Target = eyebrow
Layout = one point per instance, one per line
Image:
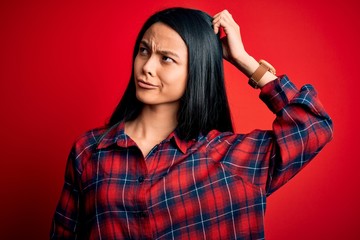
(163, 52)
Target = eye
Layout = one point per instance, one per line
(167, 59)
(143, 51)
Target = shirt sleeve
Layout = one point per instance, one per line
(267, 159)
(65, 224)
(301, 129)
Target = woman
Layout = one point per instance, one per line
(168, 165)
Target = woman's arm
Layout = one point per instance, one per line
(300, 130)
(65, 224)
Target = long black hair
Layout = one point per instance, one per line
(204, 106)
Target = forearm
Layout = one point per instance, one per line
(248, 65)
(301, 129)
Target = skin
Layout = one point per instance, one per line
(161, 67)
(160, 70)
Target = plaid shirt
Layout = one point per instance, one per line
(213, 187)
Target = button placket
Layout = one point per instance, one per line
(142, 214)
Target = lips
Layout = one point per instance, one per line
(146, 85)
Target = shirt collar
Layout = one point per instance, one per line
(116, 135)
(181, 144)
(112, 135)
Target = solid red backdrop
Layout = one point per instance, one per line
(65, 64)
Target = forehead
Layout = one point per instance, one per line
(161, 36)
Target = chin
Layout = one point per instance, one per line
(146, 99)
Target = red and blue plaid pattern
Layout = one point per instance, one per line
(213, 187)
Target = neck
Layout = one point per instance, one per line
(153, 123)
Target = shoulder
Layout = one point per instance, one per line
(87, 142)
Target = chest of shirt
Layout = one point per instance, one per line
(121, 179)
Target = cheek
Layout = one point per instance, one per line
(179, 84)
(183, 84)
(184, 80)
(136, 65)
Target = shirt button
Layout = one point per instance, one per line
(142, 214)
(141, 179)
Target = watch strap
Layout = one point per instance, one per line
(260, 72)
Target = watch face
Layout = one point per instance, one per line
(268, 65)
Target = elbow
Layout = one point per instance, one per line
(322, 133)
(325, 134)
(329, 129)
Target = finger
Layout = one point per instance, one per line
(219, 23)
(216, 15)
(223, 12)
(216, 24)
(216, 28)
(224, 20)
(216, 19)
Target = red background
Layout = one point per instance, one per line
(64, 66)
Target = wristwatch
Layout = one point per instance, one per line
(260, 72)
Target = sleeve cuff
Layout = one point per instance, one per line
(278, 93)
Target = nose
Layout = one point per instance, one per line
(149, 67)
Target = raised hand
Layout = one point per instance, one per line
(233, 48)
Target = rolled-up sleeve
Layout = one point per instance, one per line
(301, 129)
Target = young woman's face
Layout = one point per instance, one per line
(161, 66)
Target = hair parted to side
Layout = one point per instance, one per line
(204, 106)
